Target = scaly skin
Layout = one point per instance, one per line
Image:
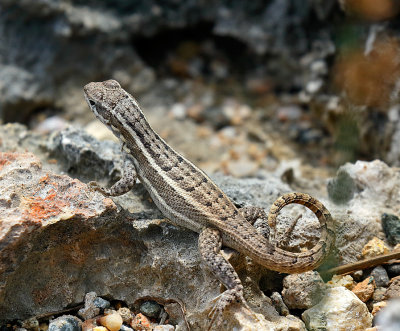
(189, 198)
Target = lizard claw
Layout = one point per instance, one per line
(96, 187)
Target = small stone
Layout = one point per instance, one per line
(112, 321)
(381, 277)
(357, 275)
(341, 188)
(31, 324)
(378, 306)
(379, 294)
(125, 328)
(393, 291)
(101, 303)
(279, 305)
(374, 247)
(100, 328)
(150, 309)
(125, 314)
(365, 289)
(165, 327)
(388, 319)
(339, 307)
(302, 291)
(65, 323)
(394, 270)
(89, 310)
(340, 280)
(391, 228)
(89, 325)
(141, 322)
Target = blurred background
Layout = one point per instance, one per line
(240, 87)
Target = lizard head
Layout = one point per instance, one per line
(103, 97)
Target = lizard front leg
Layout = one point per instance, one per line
(124, 185)
(210, 243)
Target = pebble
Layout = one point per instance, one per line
(279, 305)
(126, 314)
(379, 294)
(304, 290)
(89, 325)
(391, 228)
(365, 289)
(125, 328)
(374, 247)
(381, 277)
(141, 322)
(65, 323)
(394, 270)
(166, 327)
(378, 306)
(393, 291)
(388, 319)
(339, 307)
(31, 324)
(100, 328)
(112, 321)
(89, 310)
(150, 309)
(101, 303)
(340, 280)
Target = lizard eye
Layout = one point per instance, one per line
(92, 103)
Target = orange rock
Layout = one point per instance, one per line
(365, 289)
(141, 322)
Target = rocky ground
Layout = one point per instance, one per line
(268, 98)
(60, 241)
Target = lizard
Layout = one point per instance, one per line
(189, 198)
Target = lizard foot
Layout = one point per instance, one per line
(221, 303)
(96, 187)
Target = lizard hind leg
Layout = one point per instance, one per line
(257, 217)
(210, 243)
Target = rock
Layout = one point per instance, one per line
(112, 321)
(150, 309)
(100, 328)
(302, 291)
(379, 294)
(141, 322)
(393, 291)
(394, 270)
(126, 314)
(391, 227)
(374, 247)
(342, 280)
(380, 276)
(166, 327)
(279, 305)
(65, 323)
(31, 324)
(90, 310)
(125, 328)
(388, 319)
(341, 189)
(89, 325)
(339, 310)
(101, 303)
(365, 289)
(377, 307)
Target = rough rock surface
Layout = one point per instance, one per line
(302, 291)
(339, 310)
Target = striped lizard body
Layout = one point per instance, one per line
(189, 198)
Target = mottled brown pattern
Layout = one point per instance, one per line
(190, 199)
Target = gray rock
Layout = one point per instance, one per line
(394, 270)
(93, 306)
(380, 276)
(388, 318)
(150, 309)
(304, 290)
(125, 328)
(65, 323)
(391, 227)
